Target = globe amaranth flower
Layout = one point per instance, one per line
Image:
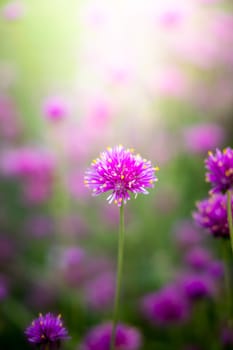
(211, 214)
(198, 258)
(99, 338)
(220, 170)
(121, 171)
(166, 307)
(197, 286)
(47, 331)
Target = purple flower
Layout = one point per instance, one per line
(198, 258)
(220, 170)
(13, 10)
(167, 306)
(186, 234)
(212, 214)
(127, 338)
(47, 330)
(120, 171)
(99, 292)
(216, 269)
(56, 108)
(197, 287)
(200, 138)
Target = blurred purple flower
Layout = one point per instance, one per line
(27, 162)
(35, 167)
(167, 306)
(216, 269)
(99, 292)
(39, 226)
(220, 170)
(72, 265)
(56, 108)
(99, 113)
(212, 214)
(120, 171)
(98, 338)
(170, 83)
(197, 286)
(13, 10)
(201, 137)
(186, 234)
(198, 258)
(47, 331)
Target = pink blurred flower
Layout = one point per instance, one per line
(170, 83)
(99, 292)
(202, 137)
(34, 167)
(37, 193)
(99, 113)
(27, 162)
(56, 108)
(198, 258)
(75, 186)
(13, 10)
(186, 234)
(71, 262)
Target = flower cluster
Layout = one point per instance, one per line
(121, 171)
(220, 170)
(47, 330)
(99, 338)
(212, 214)
(166, 306)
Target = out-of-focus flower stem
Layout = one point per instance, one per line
(229, 217)
(227, 281)
(119, 275)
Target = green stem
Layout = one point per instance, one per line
(229, 217)
(227, 282)
(119, 276)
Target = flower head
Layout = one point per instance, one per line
(99, 338)
(212, 214)
(47, 330)
(166, 307)
(55, 108)
(120, 171)
(198, 258)
(197, 286)
(220, 170)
